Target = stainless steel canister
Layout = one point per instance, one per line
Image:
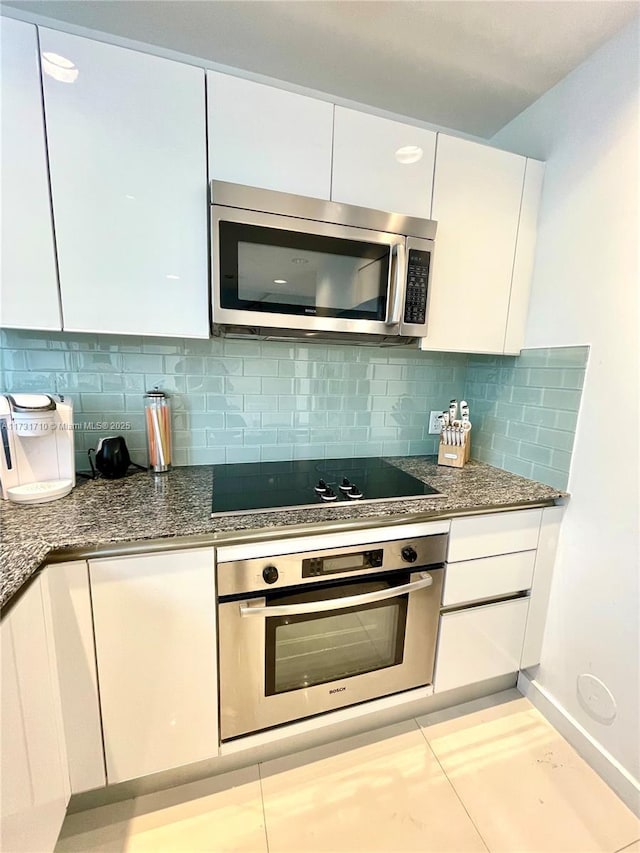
(157, 409)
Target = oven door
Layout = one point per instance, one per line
(296, 653)
(284, 272)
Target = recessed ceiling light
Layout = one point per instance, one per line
(279, 281)
(174, 277)
(59, 67)
(409, 154)
(299, 261)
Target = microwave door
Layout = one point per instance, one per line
(284, 273)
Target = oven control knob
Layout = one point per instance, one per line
(270, 574)
(409, 554)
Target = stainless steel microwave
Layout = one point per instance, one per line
(288, 266)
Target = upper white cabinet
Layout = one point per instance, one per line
(34, 791)
(29, 289)
(267, 137)
(155, 633)
(481, 276)
(126, 135)
(524, 257)
(382, 164)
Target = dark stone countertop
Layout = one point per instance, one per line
(178, 504)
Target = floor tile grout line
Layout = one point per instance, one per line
(264, 813)
(453, 788)
(627, 846)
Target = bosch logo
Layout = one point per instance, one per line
(337, 690)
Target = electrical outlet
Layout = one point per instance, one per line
(434, 423)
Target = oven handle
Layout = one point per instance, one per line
(335, 603)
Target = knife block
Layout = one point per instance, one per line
(454, 455)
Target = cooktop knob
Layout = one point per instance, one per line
(328, 494)
(409, 554)
(345, 485)
(270, 574)
(354, 492)
(321, 487)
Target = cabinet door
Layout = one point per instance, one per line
(29, 292)
(476, 201)
(155, 632)
(541, 589)
(366, 170)
(34, 786)
(72, 624)
(126, 134)
(480, 643)
(265, 137)
(523, 262)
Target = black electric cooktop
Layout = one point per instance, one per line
(267, 486)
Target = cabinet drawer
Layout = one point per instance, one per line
(480, 643)
(488, 577)
(500, 533)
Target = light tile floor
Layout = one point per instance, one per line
(491, 775)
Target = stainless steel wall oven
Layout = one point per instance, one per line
(308, 632)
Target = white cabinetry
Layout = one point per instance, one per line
(34, 791)
(492, 563)
(126, 135)
(499, 533)
(366, 171)
(267, 137)
(155, 631)
(488, 577)
(480, 643)
(29, 289)
(485, 202)
(72, 621)
(541, 586)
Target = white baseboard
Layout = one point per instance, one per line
(605, 765)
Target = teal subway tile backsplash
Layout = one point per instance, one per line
(246, 401)
(525, 410)
(240, 401)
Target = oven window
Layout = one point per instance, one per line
(317, 648)
(287, 272)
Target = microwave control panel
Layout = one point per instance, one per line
(415, 306)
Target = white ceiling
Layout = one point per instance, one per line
(471, 65)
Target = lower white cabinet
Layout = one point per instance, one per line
(498, 533)
(488, 577)
(72, 629)
(480, 643)
(491, 557)
(34, 791)
(155, 632)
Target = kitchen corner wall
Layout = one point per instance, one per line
(240, 400)
(250, 401)
(525, 410)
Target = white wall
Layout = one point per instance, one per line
(585, 290)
